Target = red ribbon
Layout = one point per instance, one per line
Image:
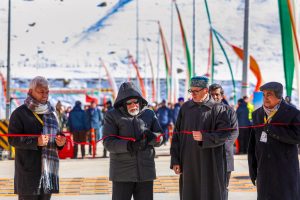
(158, 137)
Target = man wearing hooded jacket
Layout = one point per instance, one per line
(132, 166)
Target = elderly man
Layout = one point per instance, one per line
(36, 161)
(131, 131)
(217, 93)
(199, 157)
(273, 154)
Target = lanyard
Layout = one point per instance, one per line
(267, 119)
(38, 118)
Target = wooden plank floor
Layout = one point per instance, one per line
(101, 185)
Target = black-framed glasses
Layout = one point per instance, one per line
(129, 102)
(194, 91)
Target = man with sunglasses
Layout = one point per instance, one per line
(198, 145)
(132, 131)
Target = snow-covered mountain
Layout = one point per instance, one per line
(66, 38)
(60, 33)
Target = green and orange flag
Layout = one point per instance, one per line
(289, 42)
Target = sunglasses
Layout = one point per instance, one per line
(194, 91)
(129, 102)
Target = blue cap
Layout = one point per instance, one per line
(180, 99)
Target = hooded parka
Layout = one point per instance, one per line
(125, 166)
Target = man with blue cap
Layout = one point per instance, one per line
(273, 152)
(199, 157)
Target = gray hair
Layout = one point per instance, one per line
(38, 81)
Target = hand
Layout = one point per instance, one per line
(138, 145)
(60, 140)
(151, 137)
(177, 169)
(43, 140)
(197, 135)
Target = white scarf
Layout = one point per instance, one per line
(268, 111)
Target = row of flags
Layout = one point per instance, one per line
(289, 44)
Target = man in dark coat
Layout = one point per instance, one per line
(132, 167)
(176, 109)
(273, 154)
(242, 113)
(107, 107)
(217, 93)
(36, 161)
(78, 127)
(200, 157)
(164, 115)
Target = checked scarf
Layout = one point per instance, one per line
(50, 161)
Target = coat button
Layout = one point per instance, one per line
(269, 155)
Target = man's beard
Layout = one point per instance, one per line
(134, 112)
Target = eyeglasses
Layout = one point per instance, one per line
(129, 102)
(194, 91)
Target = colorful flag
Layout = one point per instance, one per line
(167, 63)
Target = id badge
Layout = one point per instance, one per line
(264, 137)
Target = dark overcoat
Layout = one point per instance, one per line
(203, 164)
(28, 156)
(125, 166)
(231, 139)
(274, 165)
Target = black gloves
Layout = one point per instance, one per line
(138, 145)
(152, 137)
(149, 138)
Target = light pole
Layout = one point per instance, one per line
(8, 63)
(194, 37)
(245, 58)
(137, 31)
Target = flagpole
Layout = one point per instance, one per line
(8, 63)
(157, 65)
(194, 37)
(245, 85)
(171, 56)
(137, 31)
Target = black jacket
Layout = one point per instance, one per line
(274, 165)
(125, 166)
(231, 139)
(28, 154)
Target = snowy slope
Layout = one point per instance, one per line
(59, 37)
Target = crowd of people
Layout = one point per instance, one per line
(204, 129)
(79, 121)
